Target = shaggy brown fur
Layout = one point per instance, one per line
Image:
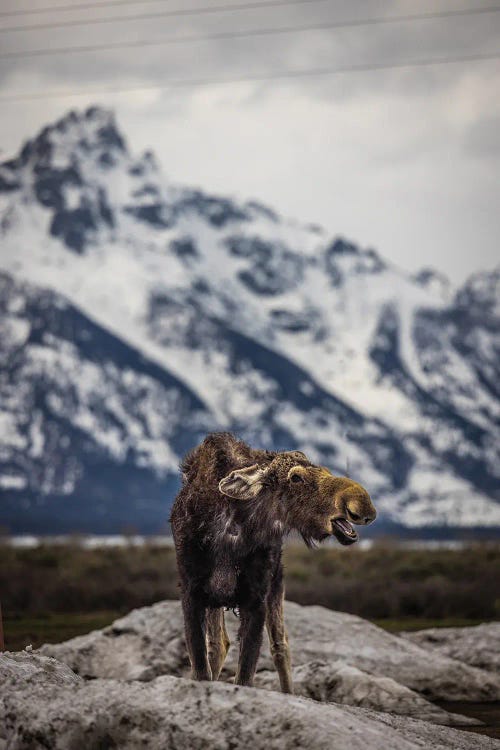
(228, 521)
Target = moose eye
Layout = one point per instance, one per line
(354, 516)
(296, 478)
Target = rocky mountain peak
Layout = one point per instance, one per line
(63, 169)
(480, 295)
(73, 138)
(433, 281)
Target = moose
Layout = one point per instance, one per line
(229, 519)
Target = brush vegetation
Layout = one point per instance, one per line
(53, 592)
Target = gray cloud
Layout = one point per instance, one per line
(256, 55)
(482, 139)
(399, 159)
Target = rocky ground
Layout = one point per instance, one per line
(357, 686)
(479, 646)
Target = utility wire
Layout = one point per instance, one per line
(272, 76)
(245, 33)
(76, 6)
(203, 10)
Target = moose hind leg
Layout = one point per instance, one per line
(217, 640)
(195, 627)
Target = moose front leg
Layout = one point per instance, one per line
(275, 624)
(195, 628)
(250, 634)
(278, 641)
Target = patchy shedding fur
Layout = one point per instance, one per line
(228, 521)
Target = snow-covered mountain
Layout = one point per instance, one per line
(138, 314)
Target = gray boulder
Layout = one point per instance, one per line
(478, 645)
(337, 682)
(171, 713)
(22, 668)
(148, 642)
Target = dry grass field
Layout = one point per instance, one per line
(53, 592)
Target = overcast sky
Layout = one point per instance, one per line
(404, 160)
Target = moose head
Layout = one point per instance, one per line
(313, 501)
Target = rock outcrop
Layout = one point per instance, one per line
(337, 682)
(21, 669)
(62, 713)
(148, 643)
(478, 645)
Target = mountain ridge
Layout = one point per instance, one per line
(280, 333)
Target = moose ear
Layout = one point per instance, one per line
(243, 484)
(297, 474)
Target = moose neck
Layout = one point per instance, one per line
(264, 519)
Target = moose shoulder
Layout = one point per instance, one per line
(228, 521)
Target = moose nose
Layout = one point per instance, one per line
(362, 519)
(371, 517)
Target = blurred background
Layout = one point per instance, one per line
(278, 218)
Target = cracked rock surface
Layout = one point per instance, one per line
(148, 642)
(337, 682)
(43, 706)
(478, 646)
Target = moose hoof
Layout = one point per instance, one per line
(201, 676)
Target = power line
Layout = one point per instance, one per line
(69, 8)
(271, 76)
(202, 10)
(221, 35)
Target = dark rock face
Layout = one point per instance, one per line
(363, 261)
(273, 267)
(297, 322)
(8, 181)
(155, 214)
(185, 249)
(385, 349)
(217, 211)
(262, 210)
(342, 247)
(50, 183)
(428, 277)
(479, 297)
(77, 226)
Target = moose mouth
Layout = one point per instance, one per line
(344, 531)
